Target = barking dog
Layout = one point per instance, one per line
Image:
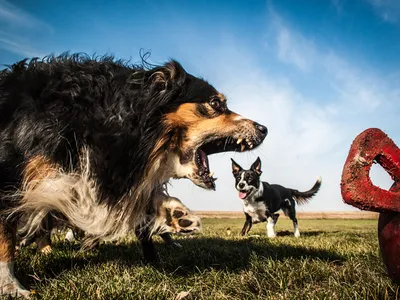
(171, 217)
(261, 200)
(95, 139)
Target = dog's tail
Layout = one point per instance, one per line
(304, 197)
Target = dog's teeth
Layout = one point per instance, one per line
(239, 141)
(251, 146)
(211, 174)
(242, 147)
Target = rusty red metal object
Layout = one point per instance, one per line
(371, 146)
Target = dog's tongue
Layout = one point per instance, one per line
(204, 159)
(242, 195)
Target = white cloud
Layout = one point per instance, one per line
(294, 49)
(388, 10)
(366, 91)
(351, 84)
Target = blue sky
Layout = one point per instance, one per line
(316, 73)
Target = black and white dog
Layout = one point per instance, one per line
(262, 200)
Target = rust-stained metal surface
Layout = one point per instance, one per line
(372, 145)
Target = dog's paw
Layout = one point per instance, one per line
(297, 234)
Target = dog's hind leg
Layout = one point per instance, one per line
(291, 213)
(275, 217)
(9, 285)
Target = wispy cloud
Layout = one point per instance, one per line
(351, 84)
(13, 15)
(388, 10)
(21, 31)
(294, 49)
(18, 45)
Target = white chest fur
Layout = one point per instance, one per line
(255, 209)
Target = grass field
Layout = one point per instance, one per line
(333, 259)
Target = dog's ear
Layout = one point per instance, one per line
(167, 76)
(256, 166)
(235, 167)
(161, 83)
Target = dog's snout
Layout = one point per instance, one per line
(262, 129)
(241, 185)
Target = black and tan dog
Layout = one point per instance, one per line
(262, 200)
(95, 140)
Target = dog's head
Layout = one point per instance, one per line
(174, 217)
(247, 182)
(201, 124)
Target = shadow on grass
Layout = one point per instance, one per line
(196, 256)
(305, 233)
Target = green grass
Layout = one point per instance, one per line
(333, 259)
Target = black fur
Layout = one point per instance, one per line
(53, 107)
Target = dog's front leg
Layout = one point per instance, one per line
(9, 285)
(247, 225)
(146, 241)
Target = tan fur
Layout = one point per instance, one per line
(38, 168)
(6, 244)
(199, 126)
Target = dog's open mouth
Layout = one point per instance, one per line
(243, 194)
(218, 146)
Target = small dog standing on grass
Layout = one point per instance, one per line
(262, 200)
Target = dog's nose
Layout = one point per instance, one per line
(262, 129)
(184, 223)
(241, 185)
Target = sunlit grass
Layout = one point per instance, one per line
(333, 259)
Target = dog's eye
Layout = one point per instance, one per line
(216, 104)
(177, 214)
